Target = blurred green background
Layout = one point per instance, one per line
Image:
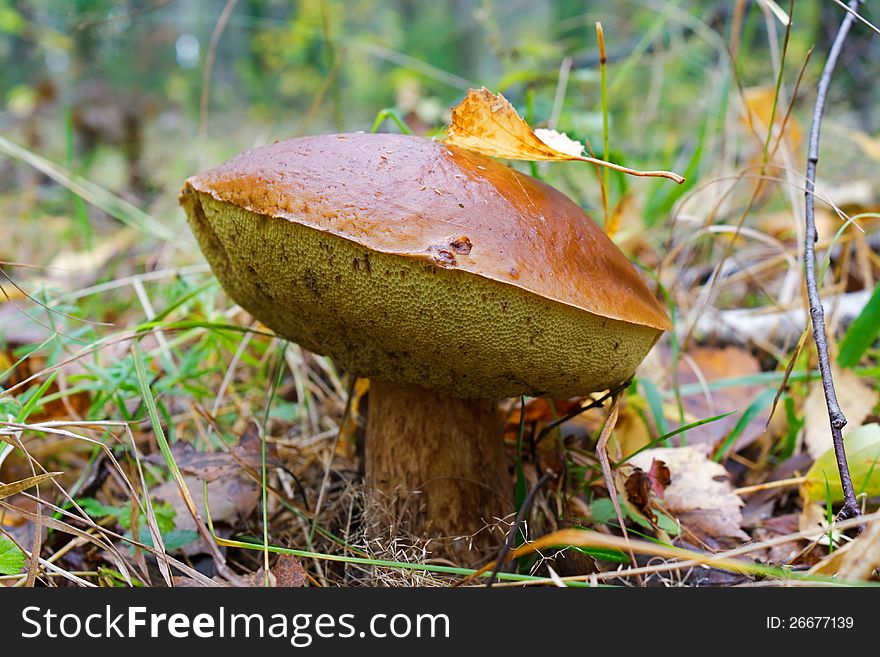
(113, 89)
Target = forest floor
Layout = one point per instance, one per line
(154, 433)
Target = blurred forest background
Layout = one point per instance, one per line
(107, 106)
(127, 78)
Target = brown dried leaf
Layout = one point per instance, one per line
(210, 466)
(862, 559)
(487, 123)
(711, 364)
(638, 491)
(640, 484)
(289, 572)
(641, 487)
(660, 477)
(286, 573)
(231, 499)
(774, 527)
(699, 493)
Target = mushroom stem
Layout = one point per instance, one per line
(435, 464)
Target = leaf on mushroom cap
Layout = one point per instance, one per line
(487, 123)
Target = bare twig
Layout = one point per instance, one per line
(835, 415)
(602, 453)
(597, 403)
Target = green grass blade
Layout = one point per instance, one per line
(34, 399)
(862, 332)
(762, 401)
(89, 191)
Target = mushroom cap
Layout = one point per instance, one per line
(411, 261)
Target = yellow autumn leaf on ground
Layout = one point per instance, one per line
(487, 123)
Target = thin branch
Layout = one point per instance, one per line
(602, 453)
(597, 403)
(835, 415)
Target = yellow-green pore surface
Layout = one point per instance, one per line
(403, 319)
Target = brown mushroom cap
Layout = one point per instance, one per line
(411, 261)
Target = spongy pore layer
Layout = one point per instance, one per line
(407, 320)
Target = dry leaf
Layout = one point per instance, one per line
(286, 573)
(641, 486)
(487, 123)
(759, 104)
(774, 527)
(561, 142)
(856, 399)
(699, 493)
(289, 572)
(632, 431)
(711, 364)
(870, 145)
(540, 411)
(209, 466)
(231, 498)
(862, 558)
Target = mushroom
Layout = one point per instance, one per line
(448, 279)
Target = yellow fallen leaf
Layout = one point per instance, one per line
(631, 431)
(487, 123)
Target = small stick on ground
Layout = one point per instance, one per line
(602, 453)
(835, 415)
(769, 485)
